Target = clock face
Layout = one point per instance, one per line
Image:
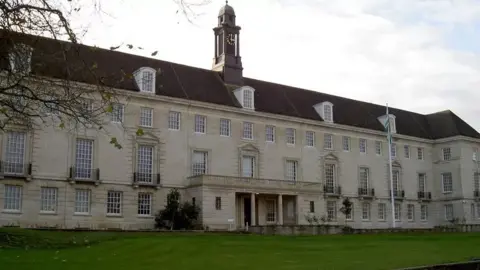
(231, 39)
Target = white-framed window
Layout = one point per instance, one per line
(14, 162)
(13, 198)
(447, 182)
(83, 158)
(86, 107)
(346, 143)
(48, 199)
(114, 203)
(291, 170)
(145, 163)
(406, 151)
(271, 207)
(478, 210)
(144, 204)
(82, 201)
(394, 150)
(362, 143)
(174, 120)
(411, 212)
(365, 211)
(331, 210)
(225, 127)
(378, 148)
(474, 154)
(309, 138)
(330, 177)
(472, 211)
(398, 213)
(290, 135)
(199, 162)
(446, 153)
(476, 181)
(147, 82)
(328, 113)
(448, 211)
(364, 177)
(269, 133)
(248, 130)
(420, 153)
(200, 124)
(146, 117)
(382, 211)
(328, 141)
(422, 182)
(350, 215)
(247, 99)
(117, 113)
(423, 212)
(396, 180)
(248, 166)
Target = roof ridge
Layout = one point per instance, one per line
(334, 96)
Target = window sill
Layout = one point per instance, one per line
(12, 212)
(46, 213)
(82, 214)
(225, 136)
(199, 133)
(114, 215)
(145, 217)
(174, 129)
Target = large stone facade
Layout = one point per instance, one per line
(248, 152)
(52, 152)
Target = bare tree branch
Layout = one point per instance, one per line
(27, 96)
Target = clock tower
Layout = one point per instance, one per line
(227, 58)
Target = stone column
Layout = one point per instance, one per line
(280, 209)
(252, 211)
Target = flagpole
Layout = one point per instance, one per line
(389, 140)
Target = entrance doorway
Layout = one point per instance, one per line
(247, 211)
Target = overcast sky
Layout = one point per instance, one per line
(418, 55)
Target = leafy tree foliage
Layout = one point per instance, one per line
(176, 215)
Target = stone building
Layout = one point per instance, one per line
(246, 151)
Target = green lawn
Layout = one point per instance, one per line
(214, 251)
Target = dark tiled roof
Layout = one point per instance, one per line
(180, 81)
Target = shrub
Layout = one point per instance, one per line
(177, 216)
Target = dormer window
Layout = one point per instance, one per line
(145, 79)
(245, 96)
(391, 120)
(325, 110)
(247, 99)
(20, 58)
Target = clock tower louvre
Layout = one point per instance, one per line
(227, 58)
